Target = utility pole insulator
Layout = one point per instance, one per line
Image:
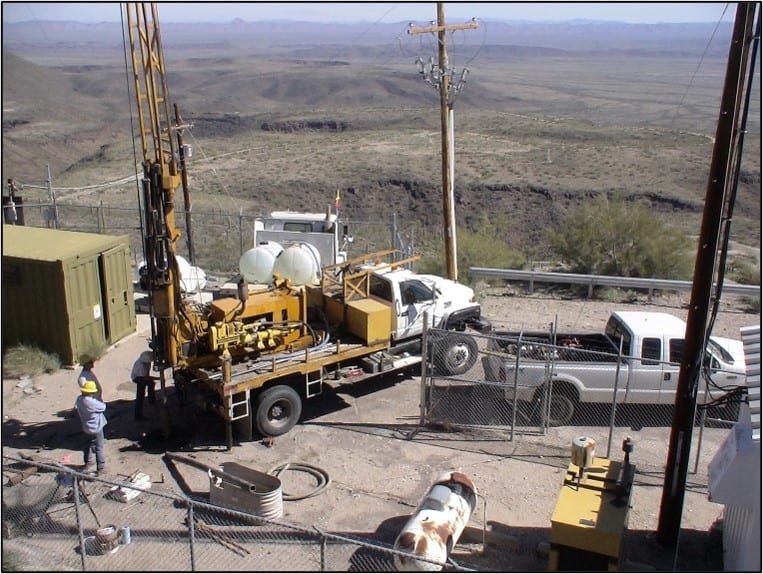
(444, 73)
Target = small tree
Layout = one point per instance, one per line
(623, 239)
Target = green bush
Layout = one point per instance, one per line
(606, 237)
(744, 270)
(28, 360)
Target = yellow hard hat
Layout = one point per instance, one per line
(89, 387)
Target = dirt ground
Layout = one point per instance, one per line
(379, 460)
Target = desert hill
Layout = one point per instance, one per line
(284, 114)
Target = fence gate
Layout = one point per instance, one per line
(511, 384)
(476, 394)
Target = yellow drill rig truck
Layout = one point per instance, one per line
(255, 356)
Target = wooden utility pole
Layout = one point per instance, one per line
(721, 178)
(446, 132)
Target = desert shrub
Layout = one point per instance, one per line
(752, 305)
(478, 248)
(744, 270)
(21, 360)
(612, 237)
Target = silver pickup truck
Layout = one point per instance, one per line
(639, 350)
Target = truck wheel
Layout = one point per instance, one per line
(455, 354)
(564, 401)
(278, 410)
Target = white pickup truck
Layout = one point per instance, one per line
(449, 305)
(583, 367)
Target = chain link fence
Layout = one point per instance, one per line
(521, 389)
(58, 519)
(219, 237)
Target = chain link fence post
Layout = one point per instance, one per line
(614, 400)
(424, 361)
(80, 531)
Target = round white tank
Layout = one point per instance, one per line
(300, 263)
(256, 265)
(192, 278)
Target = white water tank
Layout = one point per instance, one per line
(301, 263)
(256, 265)
(192, 278)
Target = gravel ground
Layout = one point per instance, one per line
(366, 437)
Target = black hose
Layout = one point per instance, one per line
(321, 476)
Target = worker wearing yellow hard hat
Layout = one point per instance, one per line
(91, 412)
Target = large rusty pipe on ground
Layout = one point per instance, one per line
(437, 523)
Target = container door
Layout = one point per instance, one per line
(116, 286)
(86, 310)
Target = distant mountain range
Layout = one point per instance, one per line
(575, 35)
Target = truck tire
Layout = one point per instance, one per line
(564, 402)
(455, 354)
(277, 410)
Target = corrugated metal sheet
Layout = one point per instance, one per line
(751, 343)
(741, 539)
(65, 292)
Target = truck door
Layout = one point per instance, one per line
(648, 379)
(416, 297)
(670, 372)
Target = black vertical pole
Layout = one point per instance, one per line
(704, 272)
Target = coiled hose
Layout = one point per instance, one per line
(321, 476)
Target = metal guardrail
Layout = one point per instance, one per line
(602, 280)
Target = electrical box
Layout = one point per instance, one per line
(591, 517)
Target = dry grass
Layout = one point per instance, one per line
(28, 360)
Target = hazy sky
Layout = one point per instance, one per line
(632, 12)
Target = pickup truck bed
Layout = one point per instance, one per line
(584, 347)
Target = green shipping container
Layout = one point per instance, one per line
(65, 292)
